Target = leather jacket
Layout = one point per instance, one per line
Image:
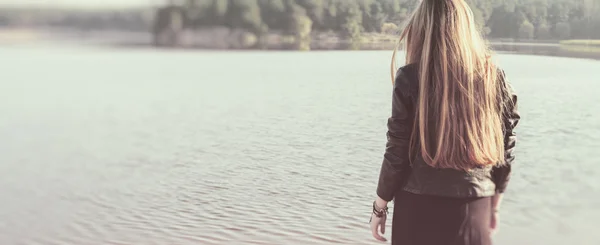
(399, 173)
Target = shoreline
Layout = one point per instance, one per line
(134, 40)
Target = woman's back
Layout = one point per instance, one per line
(421, 177)
(450, 136)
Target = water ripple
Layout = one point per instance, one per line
(163, 157)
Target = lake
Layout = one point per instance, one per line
(141, 146)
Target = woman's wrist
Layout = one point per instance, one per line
(379, 211)
(380, 203)
(496, 200)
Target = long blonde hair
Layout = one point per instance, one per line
(458, 115)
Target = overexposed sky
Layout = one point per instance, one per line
(80, 3)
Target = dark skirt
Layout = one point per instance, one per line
(432, 220)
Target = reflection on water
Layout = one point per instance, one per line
(156, 147)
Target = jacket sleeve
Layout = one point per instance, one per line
(395, 166)
(501, 174)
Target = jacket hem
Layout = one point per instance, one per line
(487, 193)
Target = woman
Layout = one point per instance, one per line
(450, 136)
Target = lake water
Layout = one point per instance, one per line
(108, 146)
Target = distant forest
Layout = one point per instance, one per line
(133, 19)
(510, 19)
(514, 19)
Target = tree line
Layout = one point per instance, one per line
(513, 19)
(138, 20)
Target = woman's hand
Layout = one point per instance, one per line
(494, 222)
(378, 221)
(495, 219)
(377, 225)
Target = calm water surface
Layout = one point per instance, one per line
(165, 147)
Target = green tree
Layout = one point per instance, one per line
(391, 7)
(373, 15)
(543, 32)
(389, 28)
(499, 22)
(350, 18)
(302, 27)
(244, 14)
(331, 15)
(558, 12)
(526, 30)
(562, 30)
(315, 10)
(273, 13)
(218, 11)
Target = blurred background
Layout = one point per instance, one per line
(264, 121)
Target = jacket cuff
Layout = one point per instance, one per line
(390, 181)
(385, 194)
(501, 189)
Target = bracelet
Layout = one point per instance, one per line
(379, 212)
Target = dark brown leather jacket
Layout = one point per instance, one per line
(399, 173)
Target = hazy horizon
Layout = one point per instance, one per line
(79, 3)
